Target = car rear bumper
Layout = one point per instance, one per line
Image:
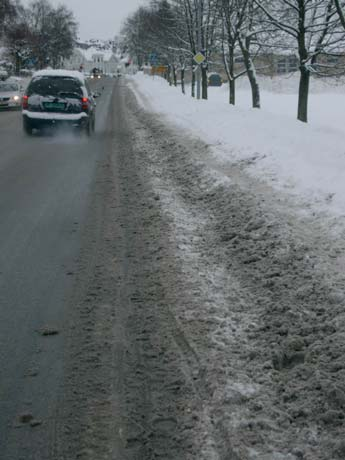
(40, 119)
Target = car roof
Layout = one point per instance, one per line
(60, 73)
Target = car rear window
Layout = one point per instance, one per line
(55, 86)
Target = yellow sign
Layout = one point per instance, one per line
(199, 58)
(159, 69)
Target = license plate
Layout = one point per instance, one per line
(54, 105)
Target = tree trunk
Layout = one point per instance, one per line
(169, 75)
(228, 62)
(232, 91)
(303, 95)
(231, 75)
(174, 75)
(340, 12)
(303, 92)
(256, 102)
(193, 82)
(251, 74)
(182, 80)
(204, 82)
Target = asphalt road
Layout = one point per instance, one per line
(90, 355)
(46, 184)
(93, 362)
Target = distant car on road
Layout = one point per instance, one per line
(58, 97)
(10, 95)
(96, 73)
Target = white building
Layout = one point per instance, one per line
(93, 57)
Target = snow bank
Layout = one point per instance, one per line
(307, 160)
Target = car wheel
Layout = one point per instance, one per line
(27, 127)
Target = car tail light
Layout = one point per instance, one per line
(25, 102)
(85, 103)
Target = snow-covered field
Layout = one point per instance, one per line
(306, 160)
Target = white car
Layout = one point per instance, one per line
(10, 95)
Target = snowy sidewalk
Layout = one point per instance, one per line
(306, 160)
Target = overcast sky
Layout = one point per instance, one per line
(99, 18)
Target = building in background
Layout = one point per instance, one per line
(95, 54)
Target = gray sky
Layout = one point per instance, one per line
(99, 18)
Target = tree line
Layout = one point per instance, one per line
(37, 36)
(313, 31)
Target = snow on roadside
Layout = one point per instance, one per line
(259, 297)
(307, 160)
(201, 306)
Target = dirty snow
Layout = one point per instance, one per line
(260, 293)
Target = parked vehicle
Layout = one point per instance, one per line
(10, 95)
(58, 97)
(214, 79)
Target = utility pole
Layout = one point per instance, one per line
(199, 30)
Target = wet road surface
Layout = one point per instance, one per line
(45, 186)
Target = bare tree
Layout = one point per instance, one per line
(240, 29)
(38, 34)
(178, 29)
(7, 13)
(17, 38)
(314, 28)
(248, 39)
(340, 10)
(154, 34)
(62, 34)
(146, 32)
(186, 10)
(53, 32)
(231, 24)
(233, 13)
(201, 19)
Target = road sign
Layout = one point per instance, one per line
(199, 58)
(153, 59)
